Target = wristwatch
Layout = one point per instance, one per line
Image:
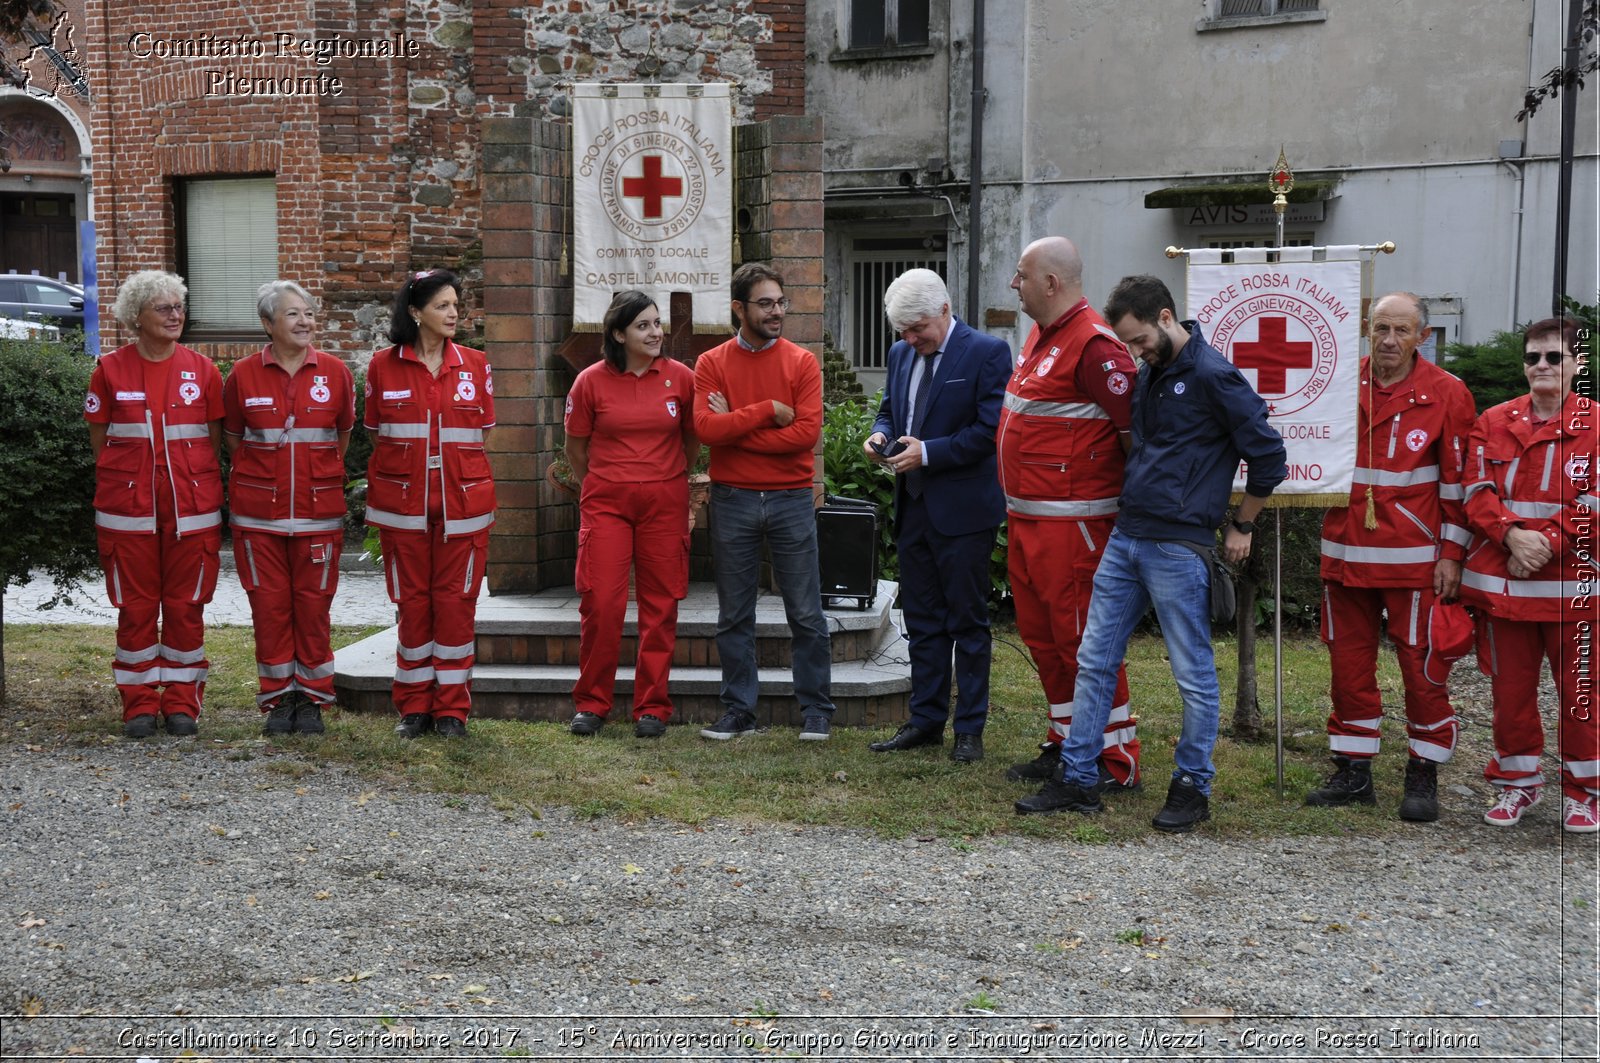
(1244, 527)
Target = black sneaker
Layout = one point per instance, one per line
(1350, 784)
(280, 720)
(1109, 781)
(308, 717)
(818, 727)
(1059, 796)
(141, 726)
(647, 726)
(450, 726)
(182, 725)
(733, 724)
(1421, 802)
(585, 723)
(1039, 768)
(414, 725)
(1186, 806)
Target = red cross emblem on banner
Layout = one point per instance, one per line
(652, 187)
(1272, 356)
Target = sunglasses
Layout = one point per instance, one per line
(1531, 358)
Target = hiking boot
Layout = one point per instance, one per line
(733, 724)
(414, 725)
(648, 726)
(1511, 804)
(818, 727)
(1109, 781)
(182, 725)
(1186, 806)
(1059, 796)
(1421, 802)
(141, 726)
(1039, 768)
(450, 726)
(1350, 784)
(280, 720)
(308, 717)
(1580, 817)
(585, 723)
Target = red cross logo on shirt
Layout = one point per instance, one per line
(1272, 356)
(652, 187)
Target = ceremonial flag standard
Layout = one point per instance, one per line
(652, 184)
(1294, 329)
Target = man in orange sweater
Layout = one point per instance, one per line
(758, 405)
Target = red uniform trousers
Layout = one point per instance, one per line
(160, 585)
(1351, 617)
(645, 525)
(290, 580)
(1051, 565)
(435, 583)
(1510, 652)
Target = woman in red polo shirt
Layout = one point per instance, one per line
(631, 442)
(430, 405)
(288, 412)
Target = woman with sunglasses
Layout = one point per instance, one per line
(430, 493)
(288, 412)
(631, 442)
(1531, 500)
(154, 409)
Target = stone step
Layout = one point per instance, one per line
(542, 628)
(873, 692)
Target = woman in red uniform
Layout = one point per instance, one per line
(1531, 499)
(631, 442)
(288, 412)
(154, 409)
(430, 405)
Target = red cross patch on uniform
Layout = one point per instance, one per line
(1117, 384)
(1416, 439)
(672, 407)
(1578, 468)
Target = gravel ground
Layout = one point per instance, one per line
(163, 900)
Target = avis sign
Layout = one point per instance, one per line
(652, 198)
(1294, 330)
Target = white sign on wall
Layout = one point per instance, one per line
(652, 176)
(1294, 330)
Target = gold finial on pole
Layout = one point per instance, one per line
(1173, 252)
(1281, 184)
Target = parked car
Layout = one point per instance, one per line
(45, 299)
(14, 329)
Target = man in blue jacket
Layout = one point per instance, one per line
(936, 429)
(1194, 419)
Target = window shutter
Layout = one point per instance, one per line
(231, 249)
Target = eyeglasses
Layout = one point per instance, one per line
(167, 310)
(1531, 358)
(766, 306)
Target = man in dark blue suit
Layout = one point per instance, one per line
(936, 429)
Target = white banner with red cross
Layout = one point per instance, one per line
(652, 194)
(1293, 328)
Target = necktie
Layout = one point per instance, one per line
(919, 410)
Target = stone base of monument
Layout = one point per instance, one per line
(528, 661)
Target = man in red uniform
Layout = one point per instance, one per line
(289, 412)
(1062, 440)
(154, 409)
(758, 405)
(1392, 552)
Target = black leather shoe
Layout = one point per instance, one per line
(968, 748)
(280, 721)
(182, 725)
(585, 723)
(910, 736)
(450, 727)
(141, 726)
(1185, 808)
(414, 725)
(1058, 796)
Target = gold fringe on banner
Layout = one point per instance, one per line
(1318, 501)
(587, 326)
(738, 252)
(566, 200)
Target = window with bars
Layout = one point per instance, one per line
(228, 248)
(888, 23)
(1263, 8)
(871, 272)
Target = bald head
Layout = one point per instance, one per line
(1049, 278)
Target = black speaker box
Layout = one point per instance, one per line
(847, 550)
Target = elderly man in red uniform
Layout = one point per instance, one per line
(1531, 499)
(154, 409)
(1393, 552)
(289, 412)
(1062, 440)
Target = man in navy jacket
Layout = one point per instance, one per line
(1194, 418)
(936, 429)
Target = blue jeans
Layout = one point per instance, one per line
(1133, 575)
(787, 520)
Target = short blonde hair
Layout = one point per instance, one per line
(141, 289)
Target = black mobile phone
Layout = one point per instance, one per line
(889, 447)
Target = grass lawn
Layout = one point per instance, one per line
(60, 692)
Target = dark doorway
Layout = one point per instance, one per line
(39, 232)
